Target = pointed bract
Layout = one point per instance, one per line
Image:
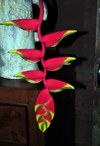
(45, 110)
(55, 64)
(52, 40)
(54, 85)
(33, 76)
(31, 55)
(26, 24)
(44, 123)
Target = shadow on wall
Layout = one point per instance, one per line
(62, 128)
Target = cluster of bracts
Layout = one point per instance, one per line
(44, 106)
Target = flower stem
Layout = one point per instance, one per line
(43, 63)
(41, 38)
(45, 71)
(41, 11)
(40, 19)
(39, 34)
(43, 49)
(44, 79)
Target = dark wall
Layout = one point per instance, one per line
(72, 124)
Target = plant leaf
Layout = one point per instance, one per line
(55, 64)
(45, 110)
(54, 85)
(52, 40)
(33, 76)
(31, 55)
(26, 24)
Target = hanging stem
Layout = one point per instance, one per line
(42, 59)
(43, 63)
(41, 38)
(44, 79)
(41, 11)
(40, 19)
(45, 71)
(43, 49)
(39, 34)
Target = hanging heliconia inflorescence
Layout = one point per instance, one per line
(44, 106)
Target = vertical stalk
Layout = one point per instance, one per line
(41, 11)
(40, 19)
(43, 49)
(39, 33)
(41, 38)
(43, 63)
(44, 79)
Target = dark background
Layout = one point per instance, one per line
(72, 124)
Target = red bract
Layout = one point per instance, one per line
(51, 40)
(33, 76)
(26, 24)
(44, 108)
(55, 64)
(31, 55)
(54, 85)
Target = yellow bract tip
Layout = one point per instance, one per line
(12, 51)
(72, 31)
(7, 23)
(44, 127)
(18, 75)
(71, 58)
(70, 86)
